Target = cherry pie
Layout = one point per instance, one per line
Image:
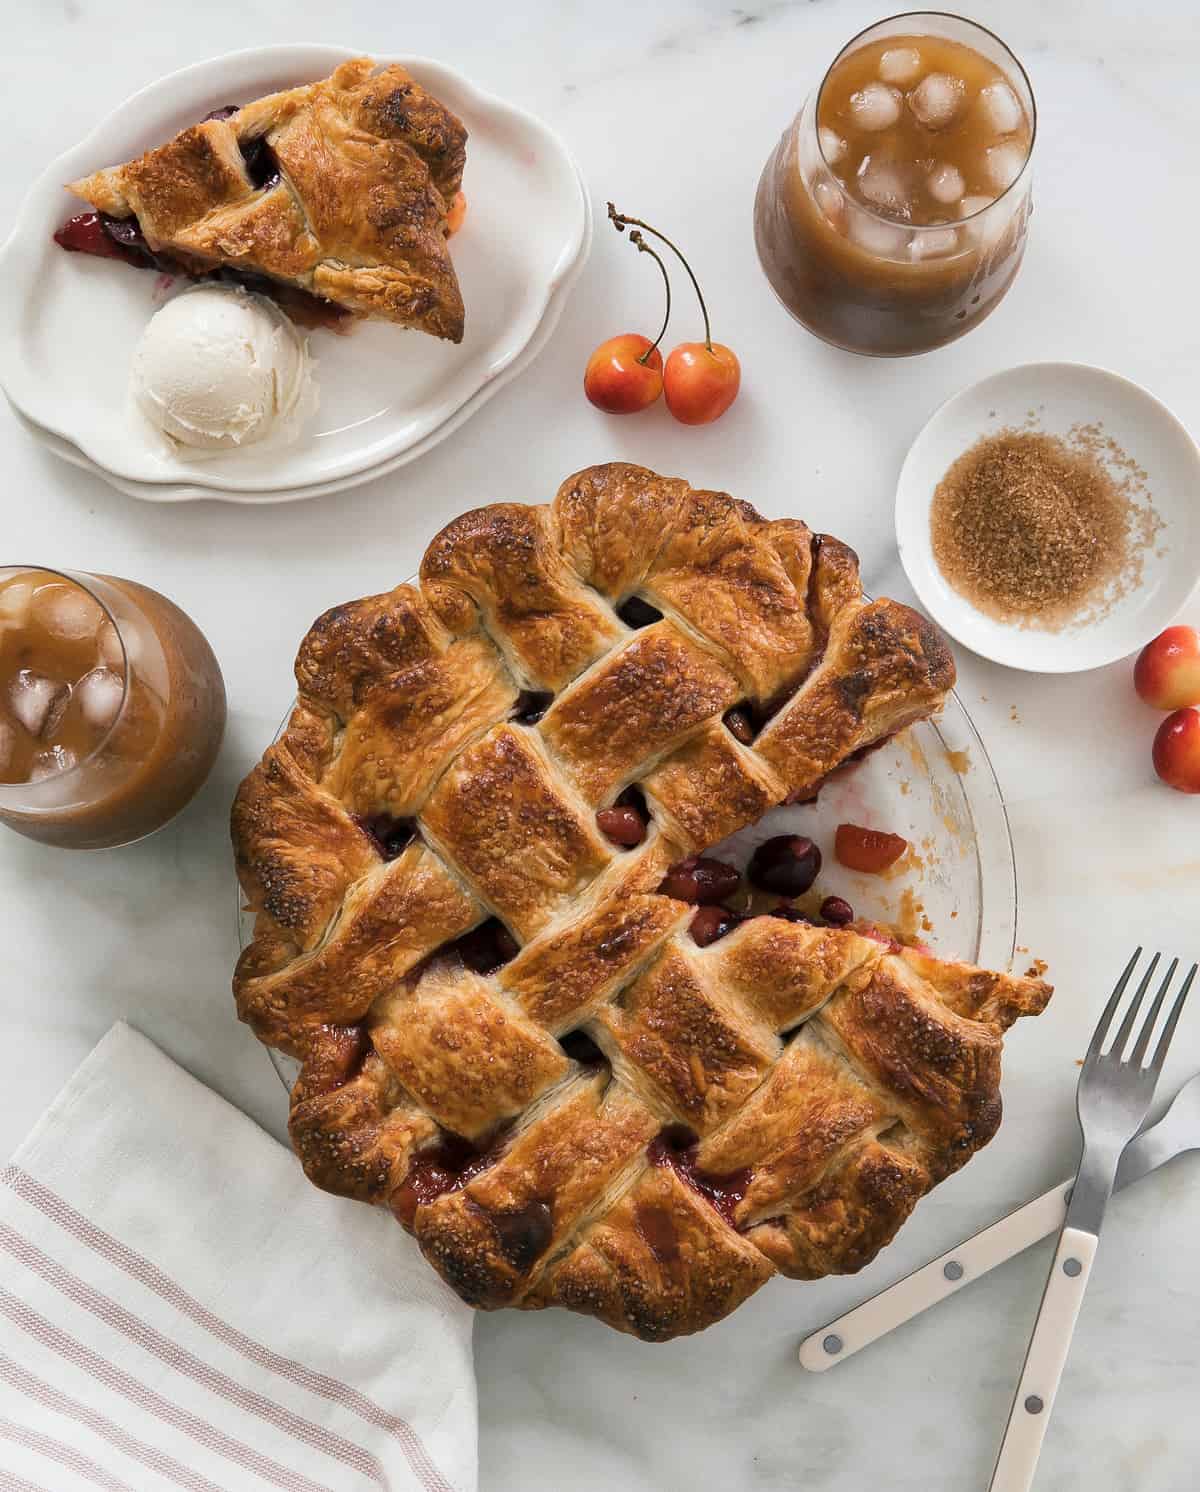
(332, 195)
(474, 856)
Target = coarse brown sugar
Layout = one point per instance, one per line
(1042, 530)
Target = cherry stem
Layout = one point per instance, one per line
(621, 222)
(644, 247)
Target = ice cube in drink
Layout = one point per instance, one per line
(111, 708)
(909, 134)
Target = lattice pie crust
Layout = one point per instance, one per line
(776, 1101)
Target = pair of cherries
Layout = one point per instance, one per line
(1167, 676)
(700, 380)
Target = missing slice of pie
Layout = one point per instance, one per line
(332, 197)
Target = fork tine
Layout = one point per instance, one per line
(1164, 1041)
(1118, 1047)
(1110, 1009)
(1144, 1035)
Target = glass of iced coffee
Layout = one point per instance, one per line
(891, 218)
(112, 707)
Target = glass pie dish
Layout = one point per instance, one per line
(934, 784)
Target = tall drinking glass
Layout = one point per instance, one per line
(112, 707)
(856, 246)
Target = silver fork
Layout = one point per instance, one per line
(1113, 1099)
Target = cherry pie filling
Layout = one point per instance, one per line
(531, 705)
(786, 865)
(106, 237)
(487, 947)
(446, 1166)
(389, 835)
(637, 613)
(739, 722)
(625, 822)
(677, 1146)
(452, 1162)
(580, 1047)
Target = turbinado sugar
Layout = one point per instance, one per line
(1035, 529)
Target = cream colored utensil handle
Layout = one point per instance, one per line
(1044, 1362)
(935, 1281)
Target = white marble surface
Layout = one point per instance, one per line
(670, 109)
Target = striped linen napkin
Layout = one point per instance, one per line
(180, 1308)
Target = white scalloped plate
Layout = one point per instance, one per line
(386, 394)
(183, 492)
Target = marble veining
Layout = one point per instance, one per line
(671, 110)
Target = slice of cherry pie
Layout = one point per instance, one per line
(332, 197)
(474, 929)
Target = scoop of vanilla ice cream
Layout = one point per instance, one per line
(218, 367)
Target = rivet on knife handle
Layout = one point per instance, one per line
(934, 1281)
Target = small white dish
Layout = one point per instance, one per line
(1061, 395)
(177, 492)
(385, 392)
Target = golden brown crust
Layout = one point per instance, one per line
(845, 1220)
(725, 578)
(677, 1042)
(500, 566)
(611, 521)
(980, 994)
(785, 971)
(709, 788)
(298, 850)
(355, 1136)
(369, 164)
(499, 817)
(392, 918)
(941, 1072)
(495, 1237)
(467, 1056)
(560, 976)
(659, 1263)
(883, 667)
(353, 649)
(810, 1112)
(646, 699)
(437, 708)
(615, 1119)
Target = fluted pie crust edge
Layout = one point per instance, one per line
(774, 1102)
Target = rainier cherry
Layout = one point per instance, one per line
(1177, 751)
(1167, 672)
(701, 379)
(625, 373)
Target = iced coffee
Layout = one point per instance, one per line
(891, 218)
(112, 708)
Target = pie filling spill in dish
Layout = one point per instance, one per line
(332, 197)
(509, 1033)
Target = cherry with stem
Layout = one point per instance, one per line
(701, 379)
(620, 221)
(625, 373)
(644, 247)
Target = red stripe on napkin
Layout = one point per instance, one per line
(52, 1398)
(148, 1274)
